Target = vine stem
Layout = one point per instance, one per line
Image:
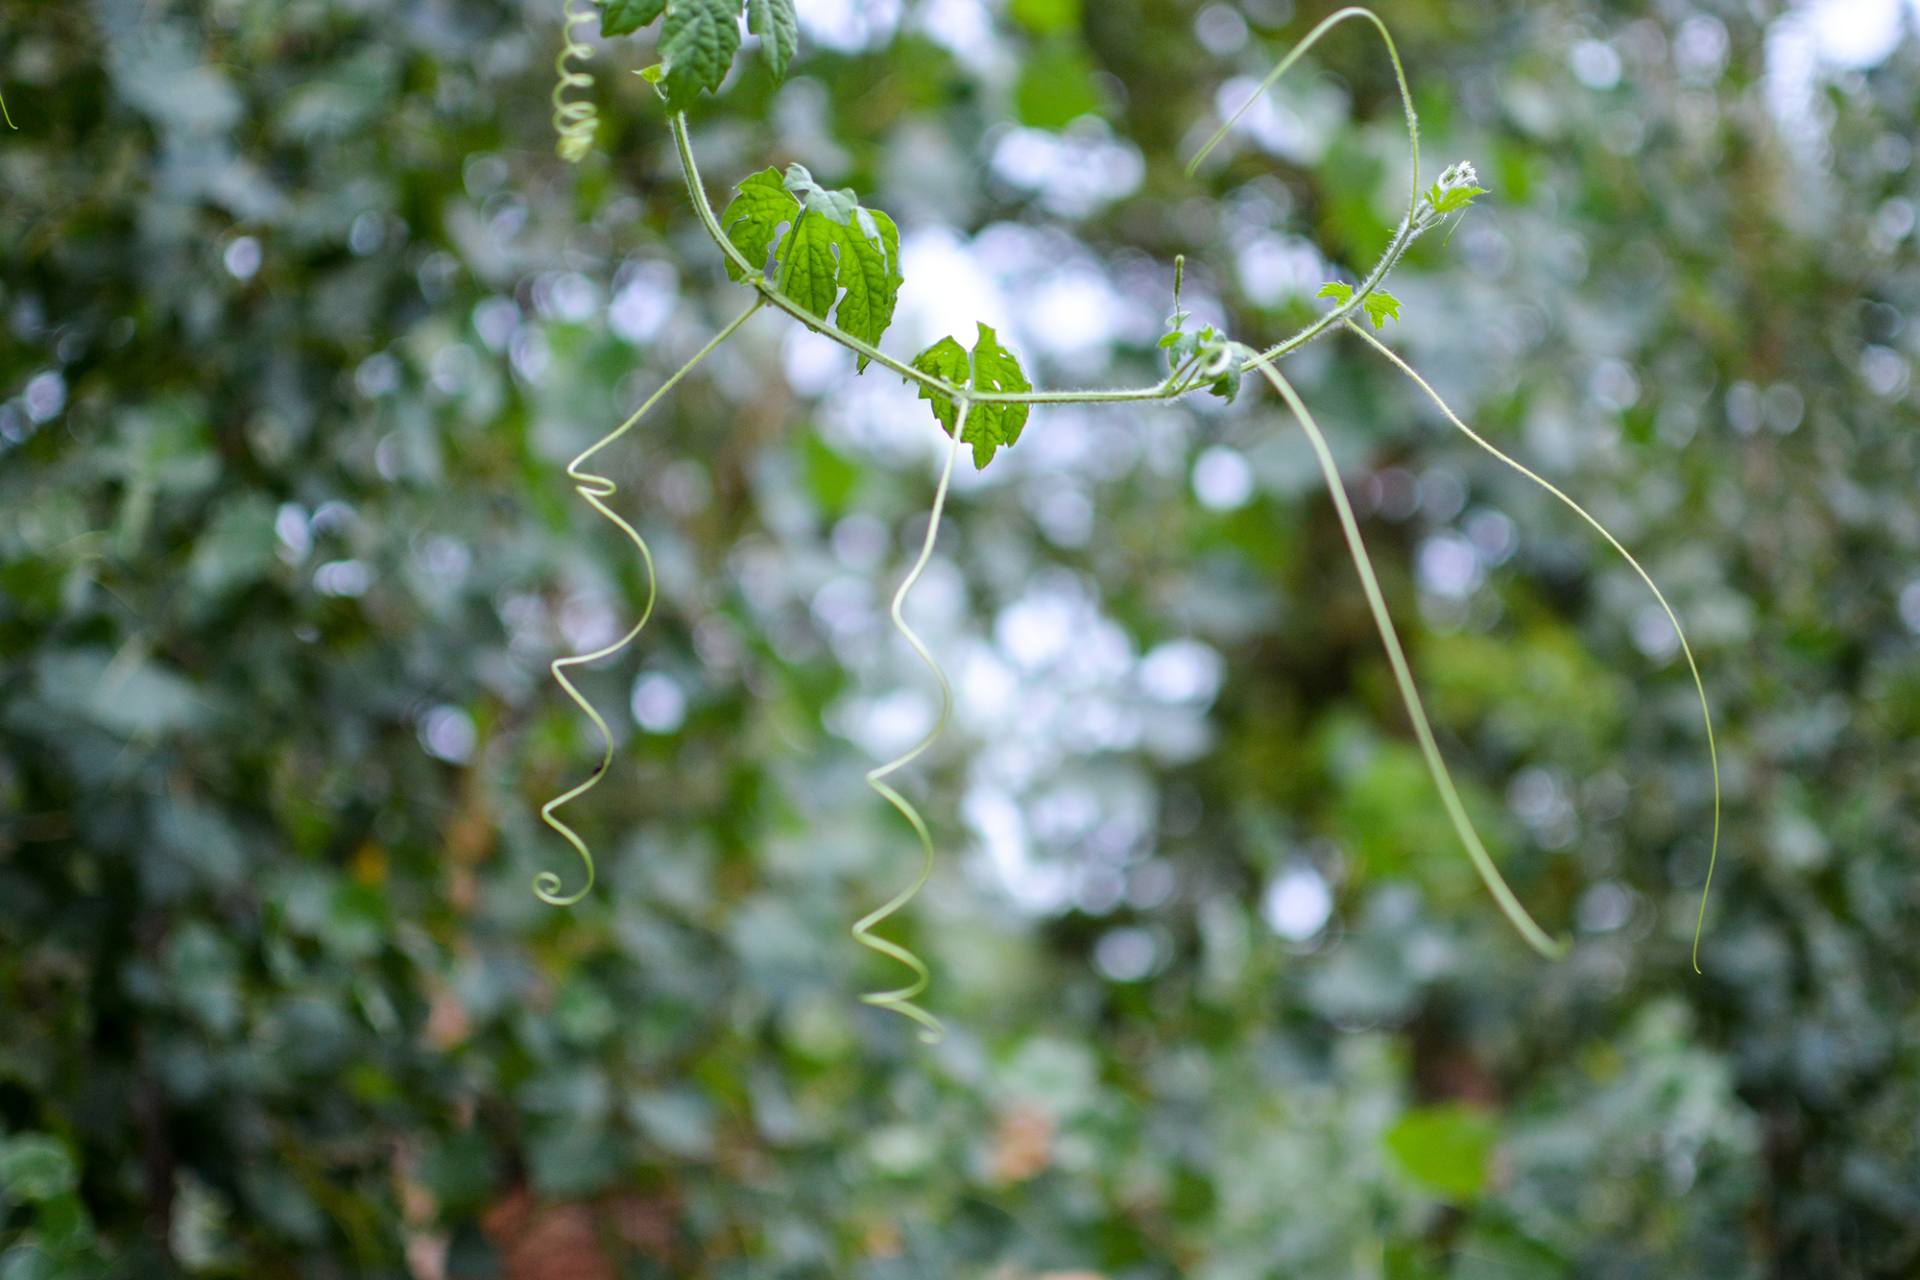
(1409, 228)
(1463, 827)
(902, 999)
(596, 489)
(1167, 389)
(1177, 383)
(1693, 668)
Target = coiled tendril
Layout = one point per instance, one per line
(596, 489)
(575, 120)
(901, 999)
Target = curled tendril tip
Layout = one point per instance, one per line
(575, 120)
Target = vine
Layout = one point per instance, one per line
(834, 265)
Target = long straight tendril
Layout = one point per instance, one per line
(902, 999)
(596, 489)
(1693, 668)
(1403, 676)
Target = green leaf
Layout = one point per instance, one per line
(1227, 385)
(944, 359)
(837, 205)
(1046, 17)
(1056, 86)
(36, 1167)
(809, 273)
(779, 31)
(1446, 1149)
(697, 44)
(870, 274)
(1453, 198)
(1380, 307)
(752, 219)
(991, 368)
(991, 425)
(838, 250)
(624, 17)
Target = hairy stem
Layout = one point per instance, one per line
(1693, 668)
(1408, 230)
(596, 489)
(1166, 389)
(1463, 827)
(901, 999)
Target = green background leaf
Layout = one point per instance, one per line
(1446, 1148)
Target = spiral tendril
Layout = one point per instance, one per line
(596, 489)
(575, 120)
(901, 1000)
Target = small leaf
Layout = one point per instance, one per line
(1340, 293)
(991, 368)
(1446, 1149)
(753, 217)
(624, 17)
(1380, 307)
(944, 359)
(779, 31)
(990, 426)
(1227, 385)
(1445, 202)
(697, 44)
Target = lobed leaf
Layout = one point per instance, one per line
(779, 31)
(1453, 198)
(991, 425)
(870, 274)
(944, 359)
(697, 44)
(990, 368)
(624, 17)
(753, 218)
(1381, 307)
(834, 251)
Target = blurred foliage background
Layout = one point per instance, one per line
(302, 318)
